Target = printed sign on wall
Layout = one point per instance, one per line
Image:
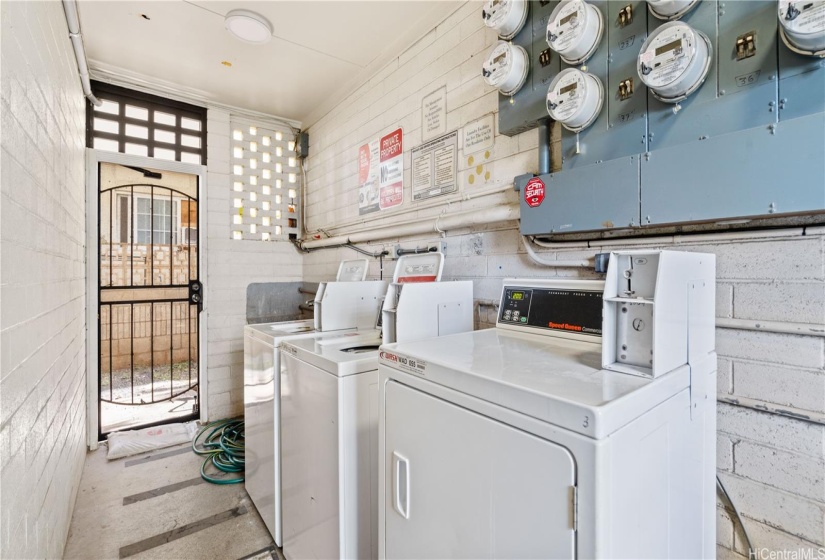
(434, 167)
(368, 188)
(479, 134)
(391, 172)
(434, 114)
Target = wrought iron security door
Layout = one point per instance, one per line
(150, 297)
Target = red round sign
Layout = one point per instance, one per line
(534, 192)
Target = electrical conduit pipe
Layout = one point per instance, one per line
(73, 22)
(439, 224)
(419, 206)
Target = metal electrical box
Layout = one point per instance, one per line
(747, 144)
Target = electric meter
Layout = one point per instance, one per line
(670, 9)
(575, 99)
(505, 16)
(506, 67)
(674, 61)
(574, 30)
(802, 26)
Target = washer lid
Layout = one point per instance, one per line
(555, 380)
(272, 332)
(339, 354)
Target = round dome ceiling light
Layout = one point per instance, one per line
(248, 26)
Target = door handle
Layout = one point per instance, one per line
(196, 294)
(401, 471)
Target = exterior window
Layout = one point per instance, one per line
(163, 220)
(140, 124)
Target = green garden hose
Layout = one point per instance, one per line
(224, 448)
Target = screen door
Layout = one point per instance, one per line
(150, 297)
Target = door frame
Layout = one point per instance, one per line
(93, 159)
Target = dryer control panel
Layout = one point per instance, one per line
(571, 310)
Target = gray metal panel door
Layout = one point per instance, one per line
(753, 172)
(581, 199)
(461, 485)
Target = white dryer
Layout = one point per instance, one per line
(582, 426)
(262, 387)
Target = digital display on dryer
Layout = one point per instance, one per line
(574, 311)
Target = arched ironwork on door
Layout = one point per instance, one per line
(150, 298)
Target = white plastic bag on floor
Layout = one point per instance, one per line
(132, 442)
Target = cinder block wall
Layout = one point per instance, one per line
(231, 265)
(774, 466)
(42, 325)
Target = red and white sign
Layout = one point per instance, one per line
(392, 170)
(368, 188)
(534, 192)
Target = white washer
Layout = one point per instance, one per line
(524, 441)
(261, 416)
(262, 478)
(329, 442)
(329, 415)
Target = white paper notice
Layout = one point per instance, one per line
(479, 135)
(434, 114)
(434, 167)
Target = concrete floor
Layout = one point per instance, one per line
(156, 505)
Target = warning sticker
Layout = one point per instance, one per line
(534, 192)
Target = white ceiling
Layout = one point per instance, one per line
(319, 50)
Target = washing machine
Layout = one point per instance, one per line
(329, 415)
(261, 384)
(582, 426)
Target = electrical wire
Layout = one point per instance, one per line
(721, 487)
(224, 448)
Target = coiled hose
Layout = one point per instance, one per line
(224, 448)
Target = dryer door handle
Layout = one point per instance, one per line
(401, 474)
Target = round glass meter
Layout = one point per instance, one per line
(670, 9)
(674, 61)
(575, 99)
(505, 16)
(574, 30)
(506, 67)
(802, 26)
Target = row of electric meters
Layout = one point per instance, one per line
(673, 63)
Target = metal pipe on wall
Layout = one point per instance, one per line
(776, 327)
(73, 23)
(505, 188)
(544, 147)
(439, 224)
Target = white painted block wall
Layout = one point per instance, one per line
(774, 466)
(231, 266)
(42, 325)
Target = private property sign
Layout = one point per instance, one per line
(392, 170)
(534, 192)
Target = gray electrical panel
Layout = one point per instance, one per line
(749, 143)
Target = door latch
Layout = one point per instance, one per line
(196, 294)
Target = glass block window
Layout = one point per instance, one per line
(131, 122)
(265, 182)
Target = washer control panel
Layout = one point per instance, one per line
(552, 309)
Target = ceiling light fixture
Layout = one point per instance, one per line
(248, 26)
